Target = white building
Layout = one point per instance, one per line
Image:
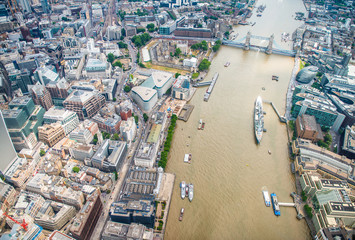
(192, 62)
(145, 97)
(128, 129)
(146, 155)
(81, 135)
(68, 119)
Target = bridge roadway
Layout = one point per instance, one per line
(278, 51)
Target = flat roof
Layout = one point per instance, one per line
(144, 93)
(154, 133)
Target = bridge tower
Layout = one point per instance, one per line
(247, 42)
(269, 46)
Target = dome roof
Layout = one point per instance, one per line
(307, 74)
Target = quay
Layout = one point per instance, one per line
(281, 118)
(210, 88)
(186, 112)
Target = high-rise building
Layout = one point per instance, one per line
(20, 79)
(6, 147)
(86, 104)
(41, 96)
(5, 84)
(44, 75)
(22, 121)
(110, 155)
(25, 5)
(68, 119)
(59, 91)
(45, 6)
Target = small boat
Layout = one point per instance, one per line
(181, 214)
(266, 198)
(259, 15)
(276, 78)
(191, 191)
(183, 189)
(187, 158)
(187, 189)
(199, 124)
(269, 152)
(203, 126)
(275, 204)
(253, 24)
(227, 64)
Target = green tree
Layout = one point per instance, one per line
(108, 191)
(151, 27)
(226, 34)
(114, 99)
(127, 88)
(110, 58)
(42, 152)
(204, 65)
(139, 30)
(116, 175)
(115, 137)
(123, 32)
(145, 117)
(141, 65)
(76, 169)
(122, 45)
(308, 211)
(195, 75)
(177, 75)
(177, 52)
(117, 64)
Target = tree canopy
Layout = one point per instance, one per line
(204, 65)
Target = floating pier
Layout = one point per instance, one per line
(281, 118)
(210, 88)
(187, 110)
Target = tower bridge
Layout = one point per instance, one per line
(272, 46)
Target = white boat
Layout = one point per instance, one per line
(191, 192)
(266, 198)
(183, 189)
(187, 158)
(258, 119)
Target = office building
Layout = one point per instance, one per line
(22, 121)
(56, 235)
(68, 119)
(85, 103)
(349, 142)
(41, 96)
(128, 129)
(110, 124)
(45, 6)
(167, 28)
(20, 79)
(312, 158)
(81, 151)
(128, 212)
(85, 221)
(146, 98)
(146, 155)
(322, 109)
(125, 109)
(193, 32)
(59, 91)
(7, 196)
(25, 6)
(115, 230)
(53, 215)
(307, 128)
(44, 75)
(110, 156)
(181, 88)
(81, 135)
(160, 81)
(5, 84)
(6, 146)
(50, 134)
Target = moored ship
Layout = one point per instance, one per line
(266, 198)
(191, 192)
(183, 189)
(181, 214)
(258, 119)
(227, 64)
(275, 204)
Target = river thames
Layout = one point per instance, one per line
(228, 168)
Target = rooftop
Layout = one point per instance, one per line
(144, 93)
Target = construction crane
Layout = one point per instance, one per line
(23, 224)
